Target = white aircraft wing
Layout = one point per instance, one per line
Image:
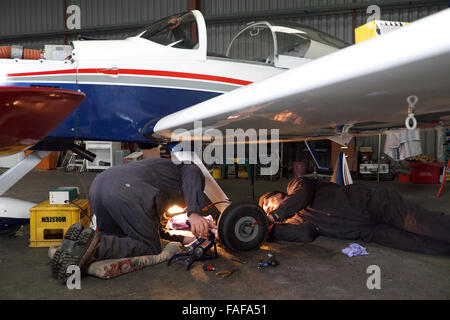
(365, 85)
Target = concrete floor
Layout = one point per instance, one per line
(316, 270)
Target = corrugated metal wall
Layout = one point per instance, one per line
(335, 17)
(26, 16)
(33, 23)
(119, 12)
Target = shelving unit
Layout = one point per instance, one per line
(104, 151)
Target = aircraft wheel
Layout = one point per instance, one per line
(243, 226)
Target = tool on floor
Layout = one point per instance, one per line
(269, 262)
(196, 251)
(226, 273)
(238, 260)
(208, 267)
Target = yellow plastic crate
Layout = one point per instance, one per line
(49, 223)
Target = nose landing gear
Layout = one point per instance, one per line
(243, 226)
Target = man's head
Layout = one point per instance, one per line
(271, 200)
(174, 22)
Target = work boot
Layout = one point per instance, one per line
(81, 254)
(74, 231)
(51, 252)
(71, 236)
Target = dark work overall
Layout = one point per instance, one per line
(128, 201)
(360, 212)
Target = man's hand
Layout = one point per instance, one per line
(188, 239)
(199, 225)
(270, 218)
(173, 23)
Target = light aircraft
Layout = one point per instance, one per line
(302, 82)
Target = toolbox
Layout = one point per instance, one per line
(49, 222)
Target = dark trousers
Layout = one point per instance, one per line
(404, 225)
(390, 236)
(396, 223)
(127, 217)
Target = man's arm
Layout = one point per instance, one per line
(304, 232)
(193, 184)
(300, 194)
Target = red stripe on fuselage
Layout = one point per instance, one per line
(158, 73)
(41, 73)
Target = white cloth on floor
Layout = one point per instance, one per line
(354, 250)
(402, 144)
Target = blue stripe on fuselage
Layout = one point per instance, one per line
(118, 112)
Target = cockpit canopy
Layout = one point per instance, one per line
(178, 31)
(281, 43)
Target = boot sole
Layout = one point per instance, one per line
(66, 248)
(74, 231)
(78, 255)
(72, 234)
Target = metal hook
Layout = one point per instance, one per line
(408, 122)
(412, 101)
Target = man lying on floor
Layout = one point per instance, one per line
(312, 208)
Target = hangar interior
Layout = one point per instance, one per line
(44, 29)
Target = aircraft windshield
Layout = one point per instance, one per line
(265, 41)
(178, 31)
(254, 43)
(295, 40)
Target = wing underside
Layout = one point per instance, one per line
(364, 87)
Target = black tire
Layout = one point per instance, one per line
(243, 226)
